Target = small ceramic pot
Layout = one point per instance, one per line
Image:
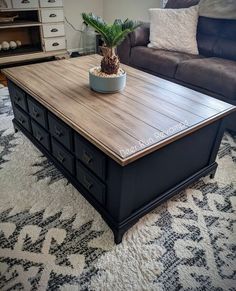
(103, 84)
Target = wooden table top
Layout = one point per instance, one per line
(149, 114)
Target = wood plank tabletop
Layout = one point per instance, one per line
(149, 114)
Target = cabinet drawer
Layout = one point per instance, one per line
(90, 156)
(25, 4)
(52, 15)
(60, 131)
(41, 135)
(5, 4)
(52, 44)
(37, 112)
(51, 3)
(52, 30)
(18, 96)
(22, 118)
(63, 156)
(91, 183)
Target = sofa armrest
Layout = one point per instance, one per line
(140, 37)
(124, 50)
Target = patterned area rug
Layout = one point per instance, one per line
(52, 239)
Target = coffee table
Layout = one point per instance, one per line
(125, 152)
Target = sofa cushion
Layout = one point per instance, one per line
(173, 4)
(158, 61)
(141, 35)
(213, 74)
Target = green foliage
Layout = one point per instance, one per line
(112, 34)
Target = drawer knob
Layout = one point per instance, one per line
(58, 132)
(35, 113)
(54, 30)
(55, 44)
(21, 120)
(87, 184)
(17, 99)
(39, 136)
(53, 15)
(25, 1)
(60, 157)
(87, 158)
(51, 1)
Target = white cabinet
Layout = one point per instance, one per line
(51, 3)
(25, 4)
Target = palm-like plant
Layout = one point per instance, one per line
(112, 35)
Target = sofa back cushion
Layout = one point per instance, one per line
(215, 37)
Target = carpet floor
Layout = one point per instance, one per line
(52, 239)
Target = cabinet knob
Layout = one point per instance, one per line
(39, 136)
(54, 30)
(25, 1)
(35, 113)
(60, 157)
(87, 158)
(87, 184)
(51, 1)
(21, 120)
(58, 132)
(53, 15)
(55, 44)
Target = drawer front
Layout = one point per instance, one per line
(63, 156)
(41, 135)
(53, 44)
(52, 15)
(18, 96)
(91, 183)
(22, 118)
(90, 156)
(5, 4)
(51, 3)
(38, 112)
(52, 30)
(60, 131)
(25, 4)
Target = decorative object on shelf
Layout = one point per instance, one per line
(5, 45)
(18, 42)
(8, 19)
(109, 77)
(13, 44)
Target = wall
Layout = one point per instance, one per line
(73, 10)
(133, 9)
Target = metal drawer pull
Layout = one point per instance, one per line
(21, 120)
(17, 99)
(35, 113)
(39, 136)
(58, 132)
(60, 157)
(54, 30)
(55, 44)
(25, 1)
(87, 184)
(87, 158)
(51, 1)
(52, 15)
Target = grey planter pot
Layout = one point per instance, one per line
(107, 85)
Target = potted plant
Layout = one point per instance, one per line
(109, 77)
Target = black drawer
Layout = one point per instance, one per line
(60, 131)
(90, 182)
(90, 156)
(63, 156)
(41, 135)
(18, 96)
(37, 112)
(22, 118)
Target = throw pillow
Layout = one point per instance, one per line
(174, 29)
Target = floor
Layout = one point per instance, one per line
(3, 80)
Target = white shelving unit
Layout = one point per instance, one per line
(40, 27)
